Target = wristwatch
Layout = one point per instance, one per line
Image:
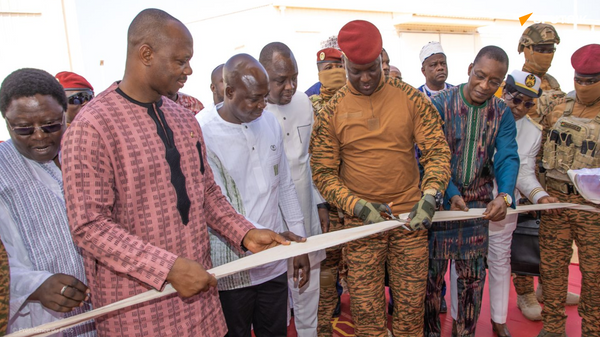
(507, 198)
(439, 198)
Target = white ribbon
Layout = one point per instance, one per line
(281, 252)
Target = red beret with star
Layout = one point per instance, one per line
(360, 41)
(329, 55)
(586, 60)
(72, 81)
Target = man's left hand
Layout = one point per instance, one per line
(422, 213)
(496, 210)
(301, 262)
(550, 200)
(291, 236)
(257, 240)
(324, 219)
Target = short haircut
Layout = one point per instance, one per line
(266, 54)
(217, 73)
(28, 82)
(148, 27)
(237, 66)
(494, 53)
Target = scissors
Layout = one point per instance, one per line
(388, 214)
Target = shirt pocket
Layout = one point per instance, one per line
(304, 133)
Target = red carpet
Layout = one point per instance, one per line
(518, 325)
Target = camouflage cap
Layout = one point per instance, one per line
(538, 33)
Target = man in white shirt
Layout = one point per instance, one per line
(245, 151)
(294, 112)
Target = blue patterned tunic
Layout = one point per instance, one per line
(482, 140)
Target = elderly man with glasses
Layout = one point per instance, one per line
(48, 280)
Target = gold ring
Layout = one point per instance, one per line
(62, 291)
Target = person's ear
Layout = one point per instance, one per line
(470, 68)
(229, 92)
(146, 53)
(212, 88)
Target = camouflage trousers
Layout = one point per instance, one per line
(470, 281)
(330, 268)
(406, 254)
(556, 240)
(523, 284)
(4, 290)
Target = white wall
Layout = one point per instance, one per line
(32, 35)
(96, 32)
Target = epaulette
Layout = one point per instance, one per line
(537, 125)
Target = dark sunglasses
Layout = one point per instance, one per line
(29, 130)
(517, 101)
(80, 98)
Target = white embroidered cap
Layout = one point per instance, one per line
(429, 49)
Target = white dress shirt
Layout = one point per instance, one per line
(24, 280)
(254, 157)
(529, 139)
(296, 120)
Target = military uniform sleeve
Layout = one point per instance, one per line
(429, 136)
(506, 159)
(325, 161)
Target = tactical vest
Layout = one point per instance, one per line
(572, 143)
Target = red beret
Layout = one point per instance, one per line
(329, 55)
(360, 41)
(70, 81)
(586, 60)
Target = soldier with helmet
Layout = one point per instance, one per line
(538, 44)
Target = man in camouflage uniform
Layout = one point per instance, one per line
(332, 77)
(538, 46)
(362, 159)
(558, 232)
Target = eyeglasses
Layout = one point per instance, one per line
(493, 83)
(543, 49)
(517, 101)
(29, 130)
(80, 98)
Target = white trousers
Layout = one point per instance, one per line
(305, 300)
(499, 271)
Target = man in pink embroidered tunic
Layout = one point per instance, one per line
(140, 194)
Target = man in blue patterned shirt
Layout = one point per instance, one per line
(480, 130)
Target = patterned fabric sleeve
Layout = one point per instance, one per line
(4, 290)
(89, 195)
(429, 136)
(325, 160)
(506, 159)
